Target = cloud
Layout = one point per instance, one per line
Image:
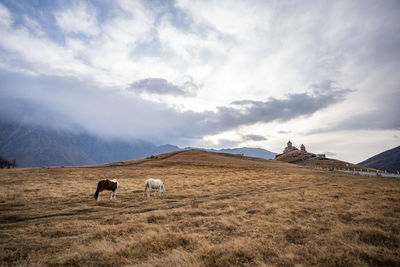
(384, 116)
(5, 16)
(25, 49)
(247, 112)
(114, 113)
(33, 26)
(161, 86)
(103, 48)
(227, 143)
(253, 137)
(81, 18)
(237, 19)
(284, 132)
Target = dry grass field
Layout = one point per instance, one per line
(218, 210)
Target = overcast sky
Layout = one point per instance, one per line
(215, 74)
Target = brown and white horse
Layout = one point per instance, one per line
(106, 184)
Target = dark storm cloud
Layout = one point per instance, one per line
(69, 103)
(247, 112)
(163, 87)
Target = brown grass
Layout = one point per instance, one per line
(219, 210)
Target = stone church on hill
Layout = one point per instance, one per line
(290, 147)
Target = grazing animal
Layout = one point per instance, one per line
(106, 184)
(155, 184)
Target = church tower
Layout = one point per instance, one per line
(303, 148)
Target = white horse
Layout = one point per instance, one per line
(155, 184)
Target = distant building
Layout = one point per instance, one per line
(289, 147)
(303, 148)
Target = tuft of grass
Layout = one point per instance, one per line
(156, 218)
(297, 235)
(241, 252)
(378, 238)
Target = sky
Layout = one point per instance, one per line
(212, 74)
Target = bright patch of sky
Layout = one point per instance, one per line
(208, 73)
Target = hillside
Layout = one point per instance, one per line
(311, 160)
(388, 160)
(218, 210)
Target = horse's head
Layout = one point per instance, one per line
(162, 189)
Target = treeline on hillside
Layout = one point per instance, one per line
(5, 163)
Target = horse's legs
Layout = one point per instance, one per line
(98, 197)
(148, 191)
(114, 194)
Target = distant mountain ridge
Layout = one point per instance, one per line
(388, 160)
(36, 146)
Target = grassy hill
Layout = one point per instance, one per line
(218, 210)
(309, 159)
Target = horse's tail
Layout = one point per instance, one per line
(96, 195)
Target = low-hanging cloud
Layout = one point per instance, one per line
(163, 87)
(223, 142)
(61, 102)
(253, 137)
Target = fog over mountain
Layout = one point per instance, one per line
(67, 103)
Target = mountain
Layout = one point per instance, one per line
(388, 160)
(37, 146)
(165, 149)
